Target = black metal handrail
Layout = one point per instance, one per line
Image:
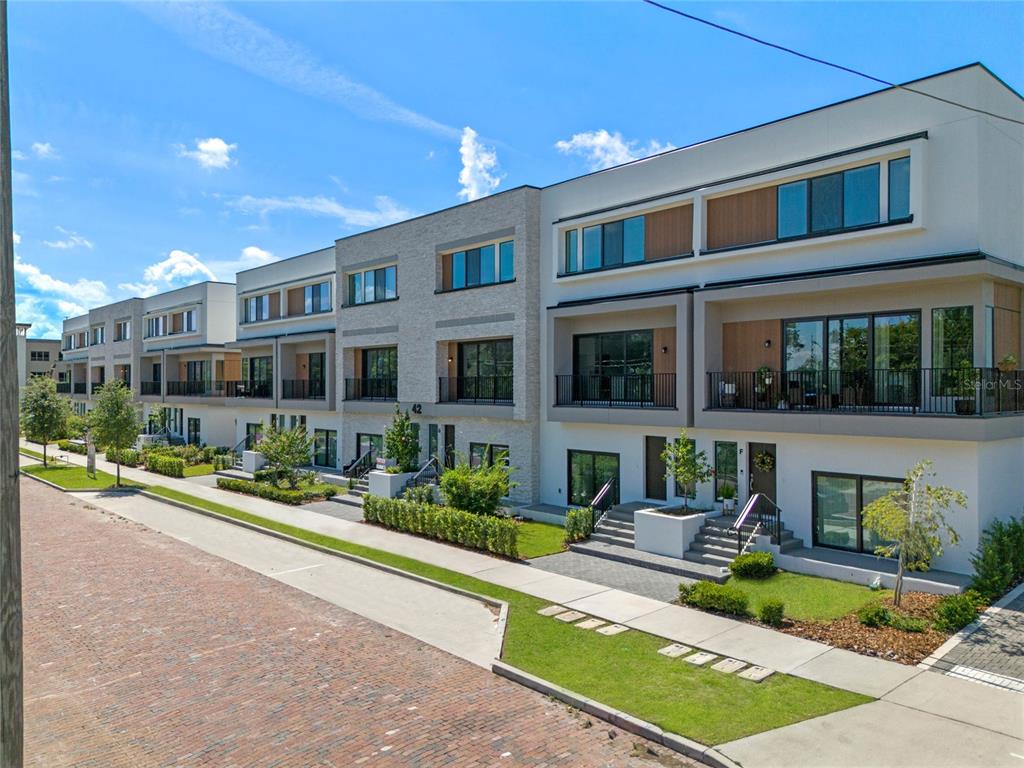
(360, 466)
(303, 389)
(80, 387)
(377, 388)
(488, 390)
(149, 388)
(602, 502)
(964, 391)
(754, 512)
(250, 389)
(640, 390)
(199, 388)
(422, 477)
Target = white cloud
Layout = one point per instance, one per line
(478, 176)
(34, 310)
(603, 150)
(69, 308)
(210, 153)
(71, 240)
(229, 36)
(44, 150)
(180, 267)
(385, 212)
(257, 255)
(142, 290)
(17, 239)
(17, 154)
(249, 257)
(91, 292)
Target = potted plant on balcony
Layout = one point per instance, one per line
(965, 388)
(1007, 364)
(727, 493)
(762, 383)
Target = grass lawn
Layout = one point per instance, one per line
(74, 478)
(34, 454)
(198, 469)
(539, 539)
(623, 671)
(807, 598)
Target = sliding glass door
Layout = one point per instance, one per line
(838, 504)
(614, 367)
(588, 472)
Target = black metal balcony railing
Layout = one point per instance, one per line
(80, 387)
(250, 389)
(934, 391)
(383, 388)
(149, 388)
(486, 390)
(96, 387)
(63, 387)
(303, 389)
(196, 388)
(640, 390)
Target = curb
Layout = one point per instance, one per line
(688, 747)
(943, 650)
(62, 489)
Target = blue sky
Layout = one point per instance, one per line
(157, 145)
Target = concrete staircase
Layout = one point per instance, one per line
(617, 526)
(716, 543)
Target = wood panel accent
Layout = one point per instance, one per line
(453, 359)
(275, 305)
(176, 322)
(1007, 296)
(446, 272)
(302, 366)
(357, 363)
(1006, 334)
(232, 368)
(741, 219)
(743, 346)
(668, 233)
(664, 362)
(296, 302)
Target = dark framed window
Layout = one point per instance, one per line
(486, 265)
(588, 472)
(485, 359)
(506, 261)
(572, 246)
(258, 370)
(608, 245)
(837, 504)
(726, 466)
(485, 454)
(193, 431)
(899, 189)
(373, 285)
(952, 337)
(828, 203)
(380, 363)
(325, 447)
(619, 353)
(316, 298)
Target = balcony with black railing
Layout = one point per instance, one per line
(80, 388)
(256, 389)
(964, 391)
(384, 389)
(96, 387)
(303, 389)
(149, 388)
(199, 388)
(640, 390)
(475, 390)
(63, 387)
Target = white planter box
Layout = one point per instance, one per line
(663, 534)
(252, 461)
(387, 485)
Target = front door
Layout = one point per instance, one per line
(449, 445)
(761, 469)
(193, 431)
(253, 433)
(654, 468)
(367, 442)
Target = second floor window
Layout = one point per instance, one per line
(317, 298)
(39, 356)
(829, 203)
(485, 359)
(258, 370)
(155, 326)
(122, 330)
(373, 285)
(188, 321)
(486, 265)
(256, 308)
(97, 335)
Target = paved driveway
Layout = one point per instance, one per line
(994, 653)
(144, 651)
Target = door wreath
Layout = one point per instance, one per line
(764, 461)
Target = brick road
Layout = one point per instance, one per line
(143, 651)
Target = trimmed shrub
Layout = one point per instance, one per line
(771, 612)
(222, 461)
(67, 445)
(954, 612)
(485, 532)
(579, 524)
(907, 623)
(684, 591)
(420, 494)
(753, 565)
(171, 466)
(874, 615)
(999, 560)
(262, 490)
(129, 458)
(476, 489)
(717, 597)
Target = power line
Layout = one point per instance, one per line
(833, 65)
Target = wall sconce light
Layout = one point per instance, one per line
(664, 350)
(450, 359)
(767, 343)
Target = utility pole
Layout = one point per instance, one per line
(11, 668)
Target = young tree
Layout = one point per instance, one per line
(44, 413)
(402, 441)
(285, 451)
(115, 421)
(912, 520)
(687, 466)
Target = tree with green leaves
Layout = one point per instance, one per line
(402, 441)
(912, 520)
(687, 466)
(44, 413)
(115, 421)
(285, 451)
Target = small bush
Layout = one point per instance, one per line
(420, 494)
(129, 458)
(222, 461)
(753, 565)
(484, 532)
(67, 445)
(717, 597)
(579, 524)
(771, 612)
(162, 464)
(874, 615)
(999, 560)
(954, 612)
(262, 490)
(476, 489)
(684, 591)
(907, 623)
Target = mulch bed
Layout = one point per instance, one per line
(884, 642)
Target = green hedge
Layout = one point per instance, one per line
(128, 457)
(579, 523)
(954, 612)
(263, 490)
(999, 560)
(484, 532)
(171, 466)
(715, 597)
(67, 445)
(753, 565)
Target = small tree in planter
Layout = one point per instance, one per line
(402, 442)
(115, 421)
(913, 520)
(687, 466)
(285, 451)
(44, 413)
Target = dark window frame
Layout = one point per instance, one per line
(474, 257)
(736, 467)
(809, 231)
(619, 240)
(824, 320)
(616, 490)
(379, 275)
(860, 478)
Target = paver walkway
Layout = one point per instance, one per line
(144, 651)
(629, 578)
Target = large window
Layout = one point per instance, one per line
(588, 472)
(325, 448)
(828, 203)
(838, 503)
(380, 363)
(39, 356)
(122, 330)
(485, 265)
(97, 335)
(256, 308)
(725, 467)
(952, 337)
(258, 375)
(485, 359)
(373, 285)
(606, 245)
(614, 366)
(899, 189)
(317, 298)
(485, 454)
(155, 326)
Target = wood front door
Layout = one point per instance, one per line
(762, 480)
(449, 445)
(654, 469)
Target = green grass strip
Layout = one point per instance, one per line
(538, 539)
(624, 671)
(33, 454)
(74, 478)
(807, 598)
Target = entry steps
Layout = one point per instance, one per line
(716, 544)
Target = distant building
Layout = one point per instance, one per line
(36, 357)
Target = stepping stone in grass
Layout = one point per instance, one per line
(756, 674)
(700, 659)
(570, 616)
(729, 666)
(612, 629)
(674, 651)
(590, 624)
(551, 610)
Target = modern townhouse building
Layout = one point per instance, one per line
(285, 336)
(187, 371)
(440, 316)
(821, 301)
(36, 357)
